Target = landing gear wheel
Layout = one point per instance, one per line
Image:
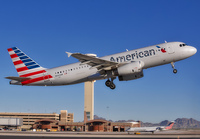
(112, 86)
(107, 83)
(175, 71)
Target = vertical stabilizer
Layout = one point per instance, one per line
(26, 67)
(170, 125)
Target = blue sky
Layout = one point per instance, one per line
(45, 29)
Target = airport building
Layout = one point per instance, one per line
(97, 125)
(29, 119)
(60, 122)
(11, 123)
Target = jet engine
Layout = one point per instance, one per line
(130, 68)
(131, 76)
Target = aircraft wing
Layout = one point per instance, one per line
(95, 62)
(20, 79)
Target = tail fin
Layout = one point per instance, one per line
(169, 125)
(24, 65)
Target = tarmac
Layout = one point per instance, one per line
(171, 134)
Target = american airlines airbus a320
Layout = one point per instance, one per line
(126, 66)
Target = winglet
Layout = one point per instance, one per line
(69, 54)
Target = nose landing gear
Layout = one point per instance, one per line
(174, 70)
(110, 84)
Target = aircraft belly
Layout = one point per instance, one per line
(159, 60)
(73, 78)
(96, 76)
(152, 62)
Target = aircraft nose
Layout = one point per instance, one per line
(188, 51)
(192, 50)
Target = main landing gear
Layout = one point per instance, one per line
(174, 70)
(110, 83)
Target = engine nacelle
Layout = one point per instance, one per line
(130, 68)
(131, 76)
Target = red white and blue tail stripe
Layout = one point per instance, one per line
(26, 67)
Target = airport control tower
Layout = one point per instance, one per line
(89, 101)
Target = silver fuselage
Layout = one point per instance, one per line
(151, 56)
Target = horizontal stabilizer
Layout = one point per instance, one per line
(20, 79)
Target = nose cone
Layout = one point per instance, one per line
(188, 51)
(192, 50)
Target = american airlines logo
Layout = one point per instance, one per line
(162, 49)
(137, 55)
(133, 56)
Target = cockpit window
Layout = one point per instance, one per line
(182, 45)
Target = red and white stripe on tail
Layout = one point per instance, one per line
(26, 67)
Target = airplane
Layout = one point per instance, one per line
(128, 65)
(150, 129)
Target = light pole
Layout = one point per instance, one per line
(107, 117)
(85, 116)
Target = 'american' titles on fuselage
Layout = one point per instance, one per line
(133, 56)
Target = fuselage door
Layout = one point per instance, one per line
(170, 49)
